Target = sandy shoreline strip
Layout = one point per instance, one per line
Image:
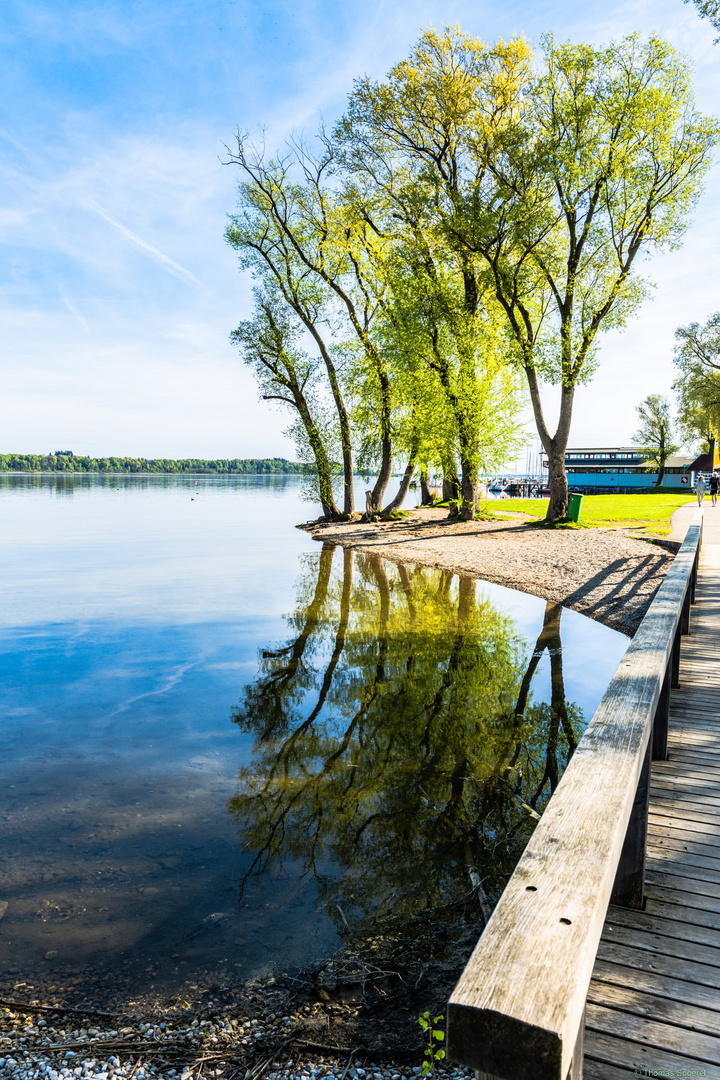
(603, 573)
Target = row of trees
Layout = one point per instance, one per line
(697, 386)
(67, 461)
(470, 226)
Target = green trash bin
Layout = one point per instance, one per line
(574, 506)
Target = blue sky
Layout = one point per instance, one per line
(118, 292)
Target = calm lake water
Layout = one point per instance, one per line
(226, 748)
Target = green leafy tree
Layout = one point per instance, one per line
(655, 435)
(554, 179)
(285, 374)
(269, 235)
(697, 356)
(295, 211)
(710, 10)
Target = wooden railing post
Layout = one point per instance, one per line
(675, 659)
(628, 890)
(661, 721)
(685, 614)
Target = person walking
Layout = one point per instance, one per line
(714, 485)
(700, 487)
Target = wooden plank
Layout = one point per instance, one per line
(656, 904)
(686, 793)
(696, 841)
(675, 808)
(653, 1034)
(667, 848)
(663, 923)
(707, 904)
(686, 970)
(653, 982)
(710, 763)
(681, 822)
(601, 1070)
(653, 941)
(517, 1009)
(661, 1009)
(683, 772)
(642, 1060)
(675, 864)
(684, 884)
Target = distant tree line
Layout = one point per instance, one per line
(65, 461)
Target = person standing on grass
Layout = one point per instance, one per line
(714, 485)
(700, 488)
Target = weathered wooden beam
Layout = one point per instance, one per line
(517, 1011)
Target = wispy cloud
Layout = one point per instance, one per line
(159, 256)
(74, 312)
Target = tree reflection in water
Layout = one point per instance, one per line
(397, 738)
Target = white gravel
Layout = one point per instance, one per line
(225, 1047)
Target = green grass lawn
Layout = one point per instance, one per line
(647, 511)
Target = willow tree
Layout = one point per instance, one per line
(459, 344)
(295, 215)
(555, 179)
(697, 356)
(284, 373)
(439, 303)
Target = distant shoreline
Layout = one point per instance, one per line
(128, 472)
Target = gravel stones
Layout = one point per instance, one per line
(229, 1044)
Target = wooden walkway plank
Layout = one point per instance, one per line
(687, 882)
(692, 869)
(659, 905)
(697, 843)
(642, 938)
(653, 1033)
(651, 1007)
(652, 982)
(654, 999)
(650, 960)
(641, 1060)
(665, 924)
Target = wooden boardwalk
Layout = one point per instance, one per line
(654, 1000)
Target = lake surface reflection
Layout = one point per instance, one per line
(227, 748)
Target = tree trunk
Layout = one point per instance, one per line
(557, 478)
(404, 485)
(345, 441)
(468, 488)
(711, 441)
(554, 446)
(322, 463)
(381, 483)
(451, 480)
(658, 482)
(426, 498)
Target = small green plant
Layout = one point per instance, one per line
(433, 1053)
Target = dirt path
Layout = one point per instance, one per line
(602, 573)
